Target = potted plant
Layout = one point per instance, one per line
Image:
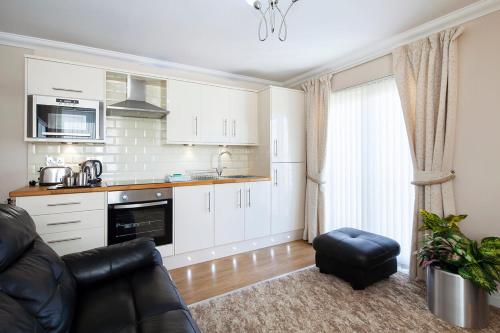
(460, 271)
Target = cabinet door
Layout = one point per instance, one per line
(244, 112)
(257, 209)
(229, 213)
(288, 126)
(215, 119)
(193, 218)
(184, 104)
(288, 197)
(65, 80)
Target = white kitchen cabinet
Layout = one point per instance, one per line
(215, 114)
(229, 213)
(59, 79)
(243, 111)
(257, 209)
(75, 240)
(184, 104)
(62, 203)
(193, 218)
(288, 197)
(288, 125)
(68, 222)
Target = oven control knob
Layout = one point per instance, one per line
(159, 195)
(124, 197)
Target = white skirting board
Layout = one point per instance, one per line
(495, 300)
(195, 257)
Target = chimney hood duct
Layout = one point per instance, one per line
(135, 105)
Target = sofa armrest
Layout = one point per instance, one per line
(107, 263)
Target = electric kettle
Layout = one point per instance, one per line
(93, 169)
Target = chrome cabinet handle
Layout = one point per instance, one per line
(62, 223)
(196, 126)
(234, 128)
(240, 199)
(64, 240)
(209, 202)
(275, 147)
(275, 177)
(225, 127)
(249, 198)
(141, 205)
(64, 204)
(68, 90)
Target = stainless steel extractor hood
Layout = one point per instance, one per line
(135, 105)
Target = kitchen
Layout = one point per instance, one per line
(208, 170)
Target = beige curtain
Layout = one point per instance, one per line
(426, 75)
(318, 93)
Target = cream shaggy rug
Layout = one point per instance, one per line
(308, 301)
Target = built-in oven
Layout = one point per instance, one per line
(63, 118)
(140, 213)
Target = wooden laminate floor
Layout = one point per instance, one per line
(208, 279)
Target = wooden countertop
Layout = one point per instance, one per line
(29, 191)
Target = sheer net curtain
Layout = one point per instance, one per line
(369, 165)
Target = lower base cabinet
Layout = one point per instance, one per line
(194, 218)
(229, 213)
(257, 209)
(288, 197)
(68, 223)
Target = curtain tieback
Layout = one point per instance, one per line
(315, 180)
(422, 178)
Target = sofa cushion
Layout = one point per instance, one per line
(138, 302)
(356, 247)
(15, 319)
(17, 232)
(107, 307)
(38, 280)
(177, 321)
(107, 263)
(161, 298)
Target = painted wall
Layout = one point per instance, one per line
(13, 150)
(477, 157)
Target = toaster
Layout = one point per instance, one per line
(53, 175)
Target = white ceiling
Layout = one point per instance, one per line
(222, 34)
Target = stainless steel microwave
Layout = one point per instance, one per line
(64, 118)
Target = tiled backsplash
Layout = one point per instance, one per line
(135, 149)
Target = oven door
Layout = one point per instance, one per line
(65, 118)
(147, 219)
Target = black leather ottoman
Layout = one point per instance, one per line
(359, 257)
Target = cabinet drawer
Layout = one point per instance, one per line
(62, 203)
(46, 224)
(59, 79)
(75, 241)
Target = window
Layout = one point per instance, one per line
(369, 164)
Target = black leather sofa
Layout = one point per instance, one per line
(120, 288)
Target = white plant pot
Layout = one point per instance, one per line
(456, 300)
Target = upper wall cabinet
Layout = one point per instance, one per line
(184, 104)
(59, 79)
(206, 114)
(243, 110)
(288, 132)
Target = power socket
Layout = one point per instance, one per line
(50, 161)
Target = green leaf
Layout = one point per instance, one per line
(478, 276)
(490, 247)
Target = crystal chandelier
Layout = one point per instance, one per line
(272, 19)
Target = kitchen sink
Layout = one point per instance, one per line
(239, 176)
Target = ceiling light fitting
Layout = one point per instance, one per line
(270, 19)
